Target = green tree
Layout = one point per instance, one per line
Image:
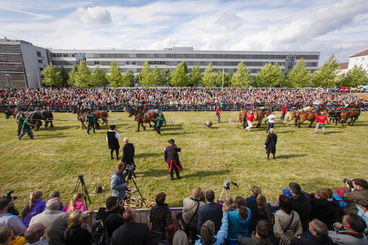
(299, 76)
(128, 78)
(52, 77)
(166, 76)
(157, 77)
(115, 78)
(228, 78)
(145, 75)
(64, 76)
(208, 77)
(195, 76)
(242, 77)
(219, 76)
(83, 76)
(270, 76)
(326, 76)
(355, 77)
(98, 77)
(179, 76)
(72, 73)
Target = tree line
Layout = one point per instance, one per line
(271, 75)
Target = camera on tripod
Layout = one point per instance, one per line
(129, 171)
(227, 184)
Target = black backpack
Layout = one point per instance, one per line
(100, 234)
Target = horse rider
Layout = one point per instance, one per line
(91, 122)
(159, 122)
(172, 158)
(321, 119)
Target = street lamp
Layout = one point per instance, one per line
(7, 79)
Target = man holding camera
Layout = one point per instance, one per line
(118, 183)
(356, 189)
(172, 158)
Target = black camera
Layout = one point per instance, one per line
(9, 195)
(349, 182)
(227, 184)
(81, 179)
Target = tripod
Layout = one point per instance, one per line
(80, 182)
(130, 177)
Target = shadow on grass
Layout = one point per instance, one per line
(207, 173)
(174, 134)
(333, 132)
(290, 156)
(144, 155)
(171, 128)
(153, 173)
(285, 132)
(56, 128)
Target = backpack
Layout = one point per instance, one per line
(99, 233)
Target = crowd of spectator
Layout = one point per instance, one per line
(197, 99)
(297, 218)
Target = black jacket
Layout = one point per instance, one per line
(76, 235)
(301, 204)
(325, 210)
(307, 238)
(113, 142)
(113, 221)
(128, 153)
(160, 218)
(210, 211)
(132, 234)
(271, 142)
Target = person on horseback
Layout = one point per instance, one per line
(159, 122)
(172, 158)
(321, 119)
(91, 122)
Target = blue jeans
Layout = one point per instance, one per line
(218, 118)
(28, 131)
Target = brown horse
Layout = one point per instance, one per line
(304, 116)
(353, 114)
(144, 117)
(82, 115)
(291, 115)
(242, 114)
(259, 114)
(104, 115)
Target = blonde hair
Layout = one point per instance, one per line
(32, 196)
(76, 197)
(260, 200)
(75, 218)
(229, 203)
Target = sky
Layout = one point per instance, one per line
(337, 27)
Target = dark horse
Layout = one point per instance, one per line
(82, 116)
(35, 117)
(352, 112)
(144, 117)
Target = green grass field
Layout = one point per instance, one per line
(55, 158)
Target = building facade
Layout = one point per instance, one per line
(171, 57)
(359, 59)
(21, 64)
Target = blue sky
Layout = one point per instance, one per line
(329, 26)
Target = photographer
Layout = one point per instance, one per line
(10, 220)
(112, 138)
(356, 189)
(118, 183)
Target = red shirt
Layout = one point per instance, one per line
(217, 111)
(321, 119)
(284, 109)
(250, 117)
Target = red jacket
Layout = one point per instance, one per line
(321, 119)
(284, 108)
(217, 111)
(250, 117)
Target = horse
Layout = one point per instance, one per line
(291, 115)
(303, 116)
(10, 112)
(35, 117)
(104, 115)
(242, 114)
(82, 115)
(144, 117)
(259, 114)
(353, 114)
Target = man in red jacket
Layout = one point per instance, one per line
(321, 119)
(283, 110)
(250, 119)
(218, 114)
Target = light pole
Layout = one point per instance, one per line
(7, 79)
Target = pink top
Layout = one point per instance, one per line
(78, 205)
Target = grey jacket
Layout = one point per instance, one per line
(189, 208)
(56, 222)
(282, 220)
(346, 239)
(118, 184)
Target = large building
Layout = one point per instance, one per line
(21, 64)
(359, 59)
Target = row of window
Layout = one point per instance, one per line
(10, 58)
(11, 67)
(184, 56)
(9, 49)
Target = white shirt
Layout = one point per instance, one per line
(117, 135)
(271, 118)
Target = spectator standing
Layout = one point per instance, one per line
(287, 222)
(283, 112)
(112, 138)
(351, 195)
(218, 114)
(300, 203)
(34, 206)
(257, 205)
(261, 237)
(191, 205)
(321, 119)
(34, 233)
(250, 119)
(271, 121)
(211, 211)
(239, 219)
(75, 234)
(10, 220)
(118, 183)
(160, 217)
(135, 233)
(317, 234)
(54, 220)
(76, 203)
(128, 152)
(270, 144)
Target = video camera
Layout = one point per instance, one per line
(81, 179)
(227, 184)
(9, 195)
(349, 182)
(129, 171)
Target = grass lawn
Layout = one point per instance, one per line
(55, 158)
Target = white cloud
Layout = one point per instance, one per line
(94, 15)
(230, 20)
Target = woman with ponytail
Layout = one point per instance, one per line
(239, 219)
(34, 206)
(257, 205)
(76, 203)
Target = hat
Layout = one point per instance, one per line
(112, 127)
(4, 201)
(295, 187)
(171, 141)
